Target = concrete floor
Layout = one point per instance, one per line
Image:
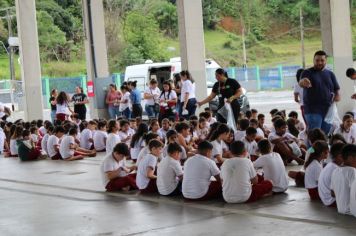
(61, 198)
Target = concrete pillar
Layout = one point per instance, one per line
(192, 47)
(95, 48)
(30, 58)
(337, 42)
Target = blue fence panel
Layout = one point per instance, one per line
(270, 78)
(64, 84)
(242, 74)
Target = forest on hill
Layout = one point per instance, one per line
(138, 30)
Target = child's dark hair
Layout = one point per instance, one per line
(181, 126)
(213, 127)
(153, 122)
(291, 127)
(25, 133)
(253, 122)
(254, 111)
(122, 148)
(222, 129)
(248, 114)
(251, 131)
(50, 129)
(237, 148)
(345, 118)
(124, 122)
(111, 125)
(349, 150)
(27, 125)
(73, 131)
(154, 143)
(149, 136)
(193, 117)
(244, 124)
(205, 114)
(273, 111)
(315, 135)
(92, 122)
(39, 123)
(264, 146)
(170, 133)
(33, 129)
(337, 137)
(279, 123)
(204, 147)
(142, 129)
(260, 116)
(17, 132)
(336, 149)
(101, 124)
(173, 148)
(318, 148)
(293, 114)
(59, 129)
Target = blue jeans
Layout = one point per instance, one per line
(317, 121)
(191, 107)
(126, 113)
(53, 115)
(150, 110)
(114, 112)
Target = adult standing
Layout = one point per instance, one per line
(228, 90)
(351, 73)
(320, 90)
(113, 100)
(53, 102)
(135, 96)
(80, 99)
(151, 96)
(188, 100)
(125, 103)
(62, 106)
(168, 101)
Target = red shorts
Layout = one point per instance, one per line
(214, 192)
(151, 187)
(314, 194)
(259, 190)
(33, 154)
(61, 116)
(119, 183)
(57, 157)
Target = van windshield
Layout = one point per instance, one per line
(210, 77)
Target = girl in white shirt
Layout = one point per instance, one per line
(188, 100)
(100, 137)
(137, 142)
(17, 135)
(62, 106)
(44, 140)
(222, 133)
(124, 133)
(113, 136)
(125, 102)
(86, 137)
(313, 168)
(168, 101)
(347, 130)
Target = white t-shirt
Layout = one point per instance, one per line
(341, 181)
(125, 97)
(300, 126)
(111, 142)
(353, 199)
(135, 151)
(239, 135)
(299, 90)
(34, 138)
(302, 136)
(109, 164)
(124, 135)
(64, 147)
(144, 151)
(84, 138)
(162, 133)
(42, 130)
(236, 174)
(53, 140)
(187, 87)
(260, 133)
(44, 142)
(155, 92)
(217, 149)
(168, 171)
(168, 96)
(183, 154)
(100, 138)
(273, 169)
(147, 161)
(197, 173)
(2, 140)
(325, 182)
(251, 147)
(350, 136)
(312, 173)
(13, 147)
(62, 108)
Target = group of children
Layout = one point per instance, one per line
(201, 158)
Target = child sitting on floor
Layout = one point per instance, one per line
(146, 178)
(241, 132)
(86, 136)
(250, 143)
(45, 138)
(239, 178)
(113, 136)
(343, 177)
(347, 130)
(26, 150)
(273, 166)
(116, 176)
(100, 137)
(198, 170)
(53, 143)
(324, 181)
(170, 172)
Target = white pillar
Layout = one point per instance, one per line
(95, 47)
(337, 42)
(30, 59)
(192, 47)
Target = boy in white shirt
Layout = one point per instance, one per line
(114, 173)
(45, 138)
(239, 179)
(324, 182)
(241, 132)
(273, 166)
(250, 143)
(343, 177)
(170, 173)
(198, 171)
(53, 143)
(86, 137)
(125, 133)
(146, 178)
(100, 137)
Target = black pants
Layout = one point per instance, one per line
(235, 106)
(136, 111)
(81, 113)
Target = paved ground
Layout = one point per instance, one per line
(60, 198)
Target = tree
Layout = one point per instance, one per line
(166, 16)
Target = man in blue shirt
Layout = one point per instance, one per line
(135, 97)
(321, 89)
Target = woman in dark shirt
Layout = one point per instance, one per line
(52, 101)
(80, 99)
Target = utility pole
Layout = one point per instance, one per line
(302, 35)
(244, 48)
(11, 59)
